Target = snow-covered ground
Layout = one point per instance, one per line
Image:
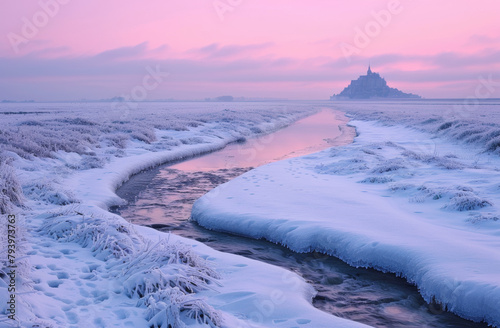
(77, 265)
(416, 194)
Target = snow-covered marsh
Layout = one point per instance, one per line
(41, 130)
(420, 204)
(84, 266)
(471, 121)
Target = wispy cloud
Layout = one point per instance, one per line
(216, 51)
(124, 52)
(484, 40)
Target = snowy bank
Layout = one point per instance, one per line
(79, 265)
(397, 200)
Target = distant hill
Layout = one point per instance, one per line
(17, 101)
(371, 86)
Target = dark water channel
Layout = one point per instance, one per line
(162, 198)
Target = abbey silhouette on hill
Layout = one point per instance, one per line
(371, 86)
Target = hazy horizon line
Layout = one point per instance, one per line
(250, 99)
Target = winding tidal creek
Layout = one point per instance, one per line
(162, 198)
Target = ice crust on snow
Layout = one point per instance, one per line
(388, 201)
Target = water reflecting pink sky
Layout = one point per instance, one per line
(314, 133)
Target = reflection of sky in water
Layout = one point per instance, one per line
(375, 298)
(306, 136)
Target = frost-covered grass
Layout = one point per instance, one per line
(41, 130)
(480, 218)
(473, 121)
(164, 277)
(11, 193)
(45, 191)
(459, 198)
(391, 165)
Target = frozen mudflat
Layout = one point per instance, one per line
(79, 265)
(397, 200)
(163, 198)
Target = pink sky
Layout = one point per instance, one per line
(260, 48)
